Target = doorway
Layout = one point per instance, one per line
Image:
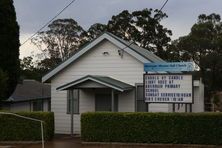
(103, 102)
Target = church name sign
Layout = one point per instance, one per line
(171, 66)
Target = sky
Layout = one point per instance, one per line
(33, 14)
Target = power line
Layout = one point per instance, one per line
(127, 46)
(46, 24)
(164, 5)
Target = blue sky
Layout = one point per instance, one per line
(182, 14)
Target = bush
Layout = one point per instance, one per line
(17, 129)
(181, 128)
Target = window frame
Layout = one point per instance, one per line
(68, 101)
(38, 102)
(136, 98)
(49, 105)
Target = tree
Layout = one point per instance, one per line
(203, 45)
(27, 63)
(123, 26)
(65, 36)
(31, 69)
(95, 30)
(62, 38)
(141, 27)
(9, 46)
(213, 71)
(28, 70)
(174, 54)
(3, 84)
(204, 38)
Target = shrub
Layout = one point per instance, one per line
(18, 129)
(182, 128)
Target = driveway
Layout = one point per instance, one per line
(66, 141)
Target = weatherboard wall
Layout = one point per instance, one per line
(198, 105)
(126, 69)
(23, 106)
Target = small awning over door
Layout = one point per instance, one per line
(94, 81)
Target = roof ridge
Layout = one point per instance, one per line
(130, 43)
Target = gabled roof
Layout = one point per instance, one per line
(144, 52)
(137, 52)
(103, 80)
(30, 90)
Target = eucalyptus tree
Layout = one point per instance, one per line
(59, 41)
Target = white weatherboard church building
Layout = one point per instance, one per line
(105, 75)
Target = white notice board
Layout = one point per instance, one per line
(168, 88)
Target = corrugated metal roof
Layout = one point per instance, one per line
(30, 90)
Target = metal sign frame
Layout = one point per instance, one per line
(169, 74)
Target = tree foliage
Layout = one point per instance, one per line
(203, 45)
(141, 27)
(9, 45)
(3, 83)
(63, 37)
(95, 30)
(204, 38)
(213, 71)
(31, 69)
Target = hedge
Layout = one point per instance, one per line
(175, 128)
(17, 129)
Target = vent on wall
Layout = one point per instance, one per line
(105, 53)
(120, 52)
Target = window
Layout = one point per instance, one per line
(103, 102)
(37, 105)
(75, 94)
(141, 106)
(49, 105)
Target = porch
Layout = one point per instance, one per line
(97, 93)
(104, 90)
